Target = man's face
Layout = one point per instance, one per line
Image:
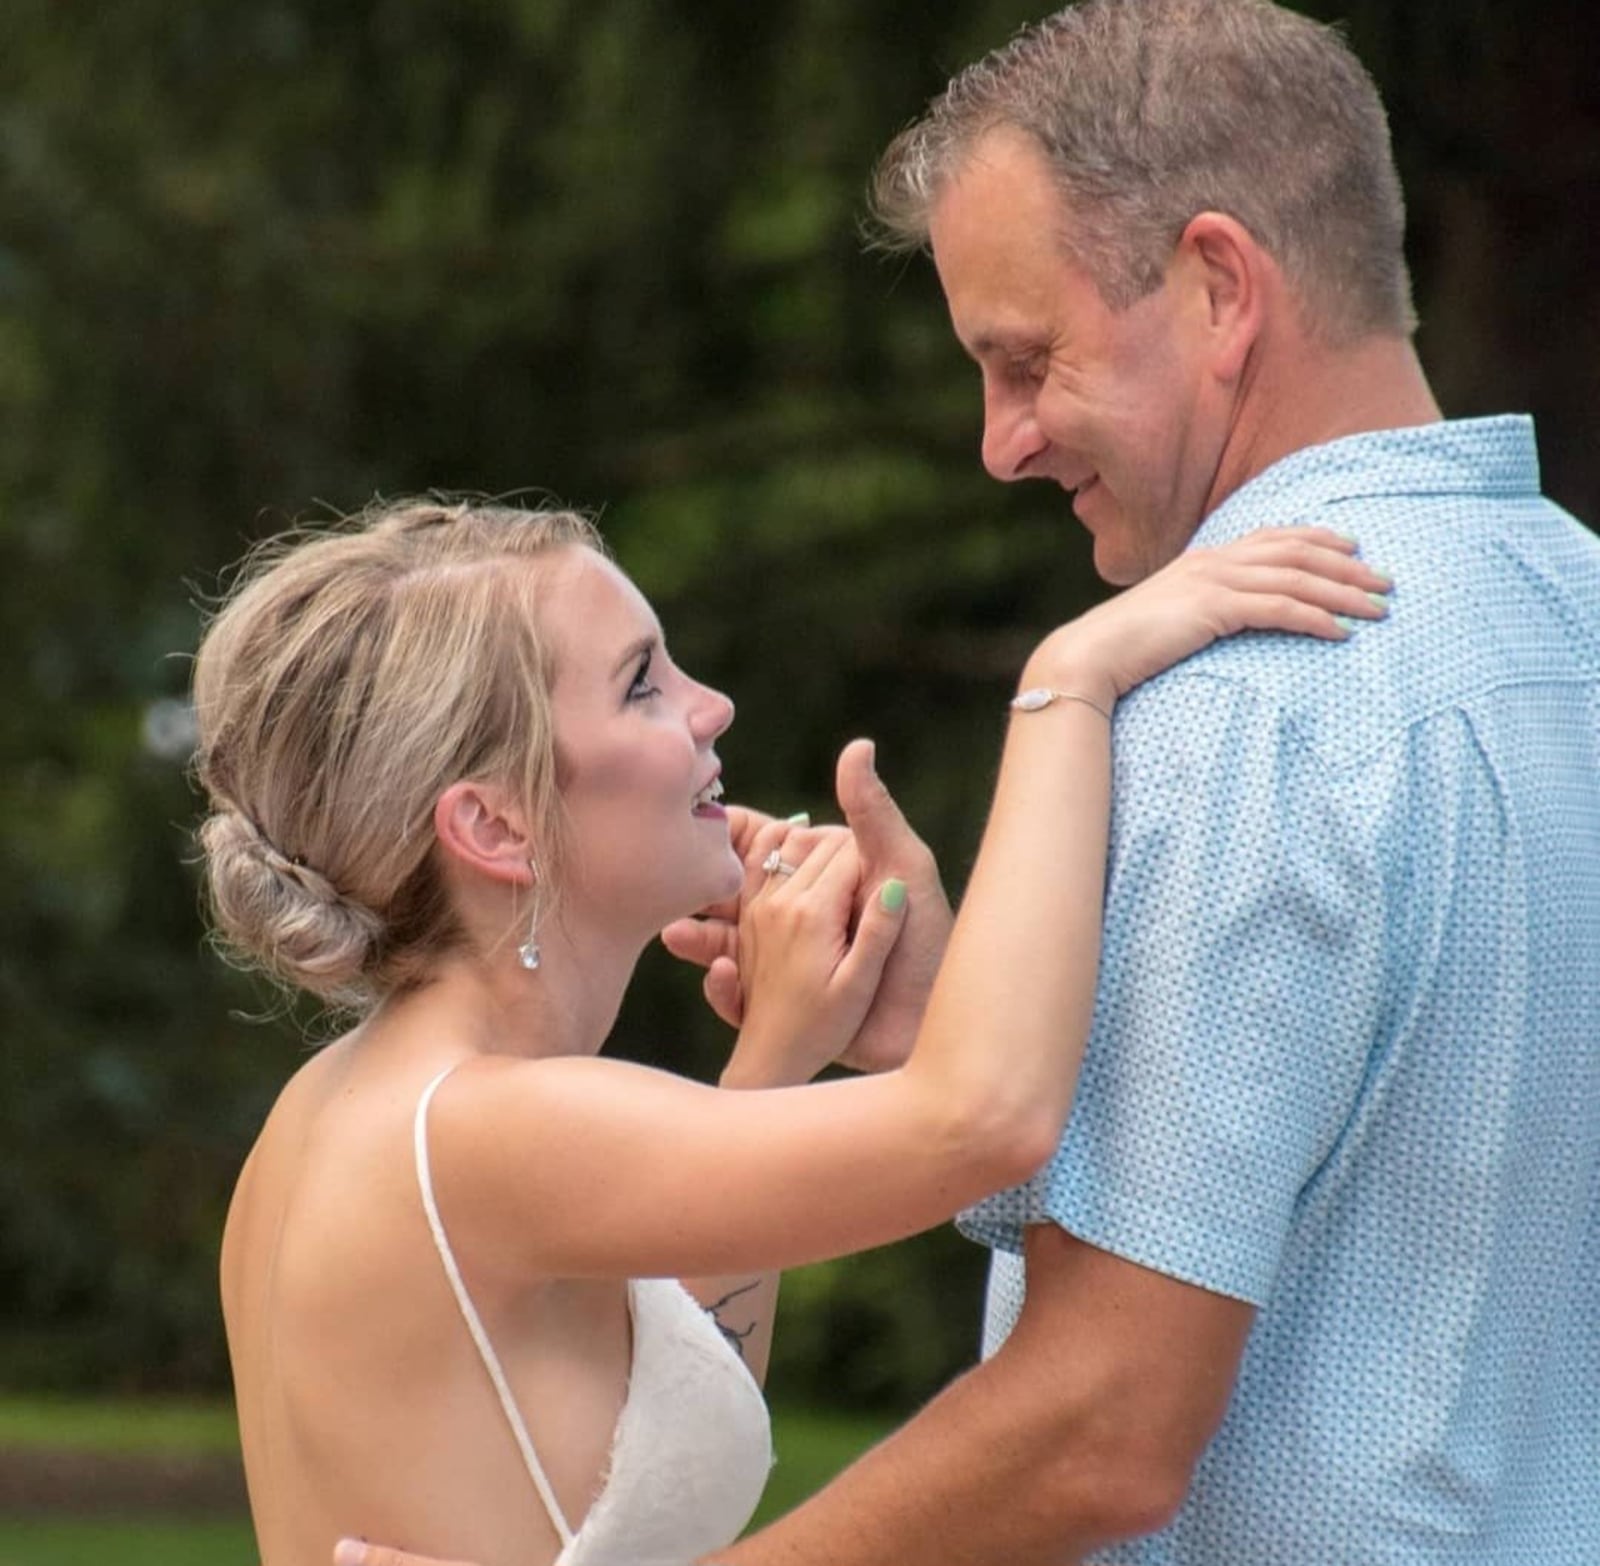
(1114, 406)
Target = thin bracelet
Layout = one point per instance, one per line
(1038, 697)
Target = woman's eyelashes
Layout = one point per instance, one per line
(641, 689)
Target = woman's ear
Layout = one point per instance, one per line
(478, 827)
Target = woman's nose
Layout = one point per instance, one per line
(713, 713)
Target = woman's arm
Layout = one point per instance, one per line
(601, 1168)
(744, 1305)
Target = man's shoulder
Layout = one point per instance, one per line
(1486, 460)
(1435, 485)
(1490, 592)
(1252, 693)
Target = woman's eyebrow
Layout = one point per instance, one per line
(635, 651)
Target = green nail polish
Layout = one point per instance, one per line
(800, 818)
(1377, 570)
(1345, 623)
(892, 896)
(1379, 601)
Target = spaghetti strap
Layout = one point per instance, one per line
(469, 1314)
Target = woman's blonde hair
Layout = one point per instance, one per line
(350, 677)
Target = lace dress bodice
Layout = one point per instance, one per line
(692, 1446)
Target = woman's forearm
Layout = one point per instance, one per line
(1010, 1011)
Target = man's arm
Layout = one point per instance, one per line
(1083, 1429)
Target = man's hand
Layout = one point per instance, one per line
(887, 847)
(355, 1552)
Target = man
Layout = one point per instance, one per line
(1315, 1275)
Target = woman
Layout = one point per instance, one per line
(457, 784)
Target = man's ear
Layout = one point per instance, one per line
(479, 828)
(1235, 276)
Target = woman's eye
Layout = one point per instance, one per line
(642, 689)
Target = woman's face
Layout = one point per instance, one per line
(638, 776)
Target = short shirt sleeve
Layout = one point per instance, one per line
(1239, 986)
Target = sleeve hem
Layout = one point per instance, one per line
(1158, 1244)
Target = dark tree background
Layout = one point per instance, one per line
(260, 260)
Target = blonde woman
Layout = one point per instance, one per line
(456, 784)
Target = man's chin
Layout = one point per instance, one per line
(1125, 556)
(1114, 561)
(1115, 565)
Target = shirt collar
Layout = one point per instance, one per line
(1494, 456)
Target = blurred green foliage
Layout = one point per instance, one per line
(261, 261)
(187, 1426)
(172, 1542)
(811, 1448)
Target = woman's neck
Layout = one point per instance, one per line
(493, 1005)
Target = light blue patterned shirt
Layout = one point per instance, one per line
(1345, 1062)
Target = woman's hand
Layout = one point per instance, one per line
(1302, 579)
(888, 849)
(807, 980)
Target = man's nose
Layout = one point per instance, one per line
(1011, 437)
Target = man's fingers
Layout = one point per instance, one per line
(714, 946)
(727, 910)
(882, 834)
(701, 941)
(724, 994)
(353, 1552)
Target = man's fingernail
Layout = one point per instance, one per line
(892, 896)
(800, 818)
(349, 1552)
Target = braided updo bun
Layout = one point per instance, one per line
(349, 679)
(288, 916)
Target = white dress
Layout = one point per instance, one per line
(692, 1446)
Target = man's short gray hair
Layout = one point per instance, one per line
(1152, 111)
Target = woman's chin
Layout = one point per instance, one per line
(723, 885)
(732, 879)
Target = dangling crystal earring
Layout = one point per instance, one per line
(528, 953)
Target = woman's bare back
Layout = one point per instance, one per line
(364, 1409)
